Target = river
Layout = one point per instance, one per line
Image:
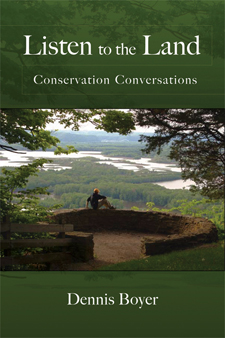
(10, 159)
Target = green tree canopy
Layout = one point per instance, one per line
(197, 143)
(16, 201)
(28, 126)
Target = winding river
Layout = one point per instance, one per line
(9, 159)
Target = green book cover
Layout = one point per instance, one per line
(70, 64)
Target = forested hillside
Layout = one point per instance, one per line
(109, 144)
(124, 188)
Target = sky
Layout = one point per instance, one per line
(90, 127)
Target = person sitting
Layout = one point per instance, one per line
(97, 201)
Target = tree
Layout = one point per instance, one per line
(197, 143)
(17, 202)
(27, 126)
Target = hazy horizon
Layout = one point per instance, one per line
(88, 126)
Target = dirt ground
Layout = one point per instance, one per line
(111, 248)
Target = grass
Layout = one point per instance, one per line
(208, 258)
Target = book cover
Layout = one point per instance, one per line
(108, 62)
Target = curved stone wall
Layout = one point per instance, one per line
(178, 231)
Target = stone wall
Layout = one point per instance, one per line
(83, 245)
(179, 231)
(195, 238)
(129, 220)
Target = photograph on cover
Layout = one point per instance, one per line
(101, 189)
